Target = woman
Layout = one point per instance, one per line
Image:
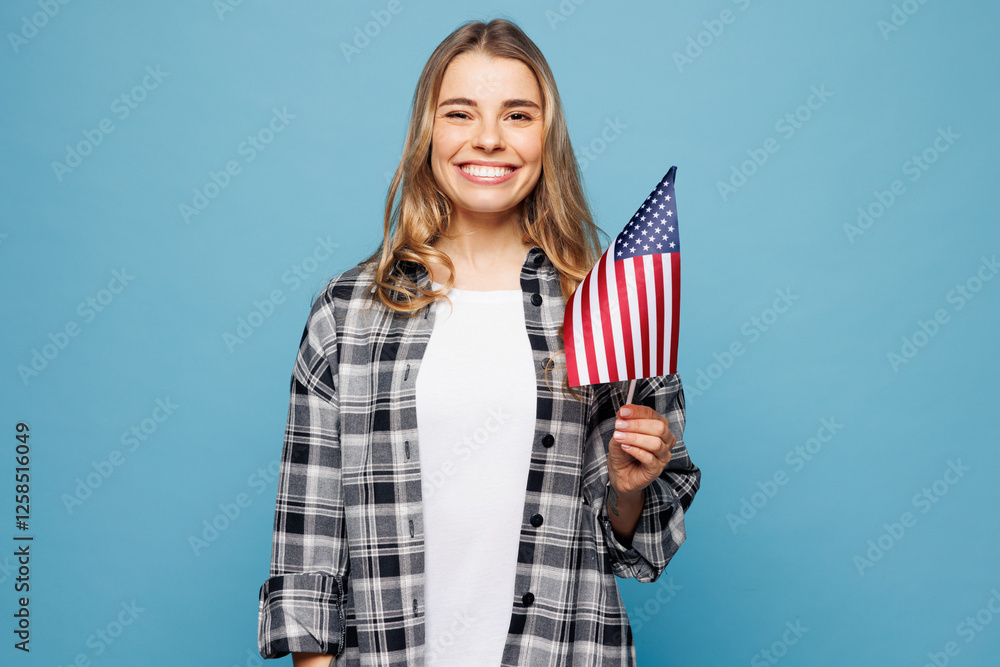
(497, 540)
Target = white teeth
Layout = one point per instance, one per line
(486, 172)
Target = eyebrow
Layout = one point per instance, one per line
(507, 104)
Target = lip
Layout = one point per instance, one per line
(481, 180)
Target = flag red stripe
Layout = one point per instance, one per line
(569, 343)
(623, 306)
(605, 315)
(675, 265)
(640, 287)
(588, 328)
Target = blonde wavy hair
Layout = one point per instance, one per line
(554, 216)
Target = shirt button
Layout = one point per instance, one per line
(548, 440)
(414, 606)
(411, 527)
(406, 448)
(536, 299)
(536, 520)
(527, 599)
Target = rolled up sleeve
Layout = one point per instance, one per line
(302, 602)
(659, 532)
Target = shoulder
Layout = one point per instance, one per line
(346, 289)
(345, 302)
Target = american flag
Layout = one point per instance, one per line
(621, 323)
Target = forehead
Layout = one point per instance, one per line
(480, 77)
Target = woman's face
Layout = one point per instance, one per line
(486, 148)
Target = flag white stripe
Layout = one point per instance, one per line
(601, 372)
(614, 312)
(633, 316)
(668, 311)
(649, 269)
(580, 348)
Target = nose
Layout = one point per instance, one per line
(488, 136)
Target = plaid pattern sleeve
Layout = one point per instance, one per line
(660, 530)
(302, 603)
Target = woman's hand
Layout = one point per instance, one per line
(639, 449)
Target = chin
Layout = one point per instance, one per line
(483, 204)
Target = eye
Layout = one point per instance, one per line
(456, 114)
(519, 115)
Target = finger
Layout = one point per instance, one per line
(646, 458)
(635, 411)
(650, 443)
(656, 427)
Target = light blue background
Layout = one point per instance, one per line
(732, 588)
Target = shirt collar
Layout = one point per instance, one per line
(536, 264)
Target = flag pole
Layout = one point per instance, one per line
(631, 388)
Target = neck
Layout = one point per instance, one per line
(486, 250)
(476, 239)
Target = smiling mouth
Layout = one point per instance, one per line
(481, 171)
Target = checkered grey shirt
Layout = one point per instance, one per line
(347, 563)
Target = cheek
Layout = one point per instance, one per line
(532, 154)
(435, 147)
(444, 142)
(532, 150)
(439, 155)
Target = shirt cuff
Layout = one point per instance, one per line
(301, 613)
(658, 535)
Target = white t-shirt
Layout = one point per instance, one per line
(476, 400)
